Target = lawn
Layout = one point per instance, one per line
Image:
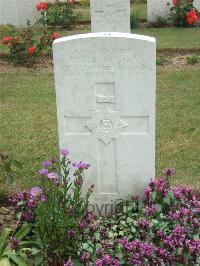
(29, 127)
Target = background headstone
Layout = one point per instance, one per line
(110, 15)
(158, 8)
(17, 12)
(105, 90)
(197, 4)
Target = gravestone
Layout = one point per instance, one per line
(105, 91)
(17, 12)
(197, 4)
(158, 8)
(110, 15)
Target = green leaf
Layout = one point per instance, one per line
(121, 233)
(153, 195)
(23, 231)
(20, 261)
(129, 220)
(4, 238)
(85, 246)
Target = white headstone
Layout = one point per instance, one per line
(105, 90)
(158, 8)
(17, 12)
(110, 15)
(197, 4)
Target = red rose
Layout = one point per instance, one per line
(175, 2)
(6, 39)
(39, 6)
(71, 1)
(44, 5)
(15, 39)
(55, 35)
(191, 17)
(31, 50)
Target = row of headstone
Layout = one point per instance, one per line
(105, 90)
(17, 12)
(158, 8)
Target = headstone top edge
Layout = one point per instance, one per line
(105, 35)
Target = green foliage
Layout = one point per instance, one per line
(160, 22)
(26, 47)
(58, 14)
(9, 167)
(192, 60)
(57, 220)
(135, 19)
(12, 249)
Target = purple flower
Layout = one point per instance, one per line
(70, 234)
(79, 181)
(150, 210)
(85, 257)
(53, 176)
(43, 171)
(147, 193)
(43, 198)
(36, 192)
(80, 165)
(170, 172)
(64, 152)
(14, 243)
(46, 164)
(92, 186)
(107, 260)
(68, 263)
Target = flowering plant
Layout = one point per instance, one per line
(56, 208)
(58, 14)
(183, 13)
(26, 48)
(162, 228)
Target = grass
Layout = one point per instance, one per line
(29, 127)
(173, 38)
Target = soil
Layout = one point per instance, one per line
(7, 217)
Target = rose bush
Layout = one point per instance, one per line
(26, 48)
(162, 228)
(58, 14)
(183, 13)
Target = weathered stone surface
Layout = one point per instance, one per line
(17, 12)
(158, 8)
(197, 4)
(110, 15)
(105, 90)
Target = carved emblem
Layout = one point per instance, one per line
(105, 125)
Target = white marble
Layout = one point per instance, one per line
(197, 4)
(110, 15)
(17, 12)
(158, 8)
(105, 90)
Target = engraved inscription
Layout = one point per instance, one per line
(105, 62)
